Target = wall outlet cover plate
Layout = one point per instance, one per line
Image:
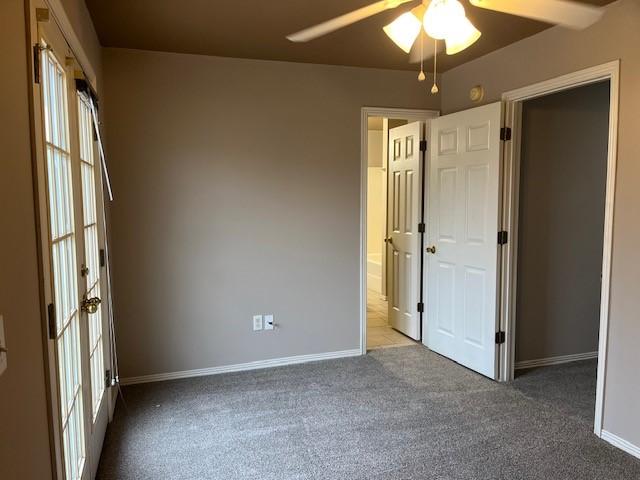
(257, 322)
(3, 344)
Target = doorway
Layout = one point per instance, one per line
(383, 322)
(563, 168)
(380, 330)
(579, 200)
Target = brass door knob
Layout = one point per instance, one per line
(431, 249)
(90, 305)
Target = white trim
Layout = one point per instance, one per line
(621, 443)
(513, 99)
(241, 367)
(365, 113)
(564, 82)
(545, 362)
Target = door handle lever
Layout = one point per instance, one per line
(90, 305)
(431, 249)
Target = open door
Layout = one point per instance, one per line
(462, 246)
(71, 221)
(404, 216)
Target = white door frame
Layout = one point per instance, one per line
(410, 115)
(513, 108)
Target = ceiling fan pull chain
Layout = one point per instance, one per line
(434, 89)
(421, 76)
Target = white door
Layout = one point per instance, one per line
(404, 214)
(461, 245)
(71, 208)
(385, 171)
(91, 270)
(66, 330)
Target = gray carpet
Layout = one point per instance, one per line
(398, 413)
(569, 388)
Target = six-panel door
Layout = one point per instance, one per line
(462, 225)
(403, 239)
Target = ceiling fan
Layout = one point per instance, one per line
(446, 20)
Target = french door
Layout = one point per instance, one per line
(70, 192)
(91, 270)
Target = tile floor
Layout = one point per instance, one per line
(379, 332)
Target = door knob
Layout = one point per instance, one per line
(431, 249)
(90, 305)
(388, 240)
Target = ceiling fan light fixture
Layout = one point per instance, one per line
(441, 17)
(404, 30)
(461, 36)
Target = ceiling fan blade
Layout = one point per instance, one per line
(561, 12)
(344, 20)
(427, 50)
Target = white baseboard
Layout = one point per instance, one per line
(275, 362)
(620, 443)
(545, 362)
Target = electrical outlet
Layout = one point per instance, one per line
(3, 348)
(268, 322)
(257, 322)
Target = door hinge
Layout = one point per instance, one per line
(503, 236)
(51, 314)
(37, 73)
(423, 145)
(421, 227)
(500, 337)
(420, 307)
(102, 258)
(107, 379)
(505, 133)
(36, 63)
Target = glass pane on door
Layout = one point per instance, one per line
(64, 264)
(92, 252)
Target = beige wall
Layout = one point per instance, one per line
(375, 193)
(375, 210)
(237, 192)
(24, 433)
(374, 148)
(563, 171)
(550, 54)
